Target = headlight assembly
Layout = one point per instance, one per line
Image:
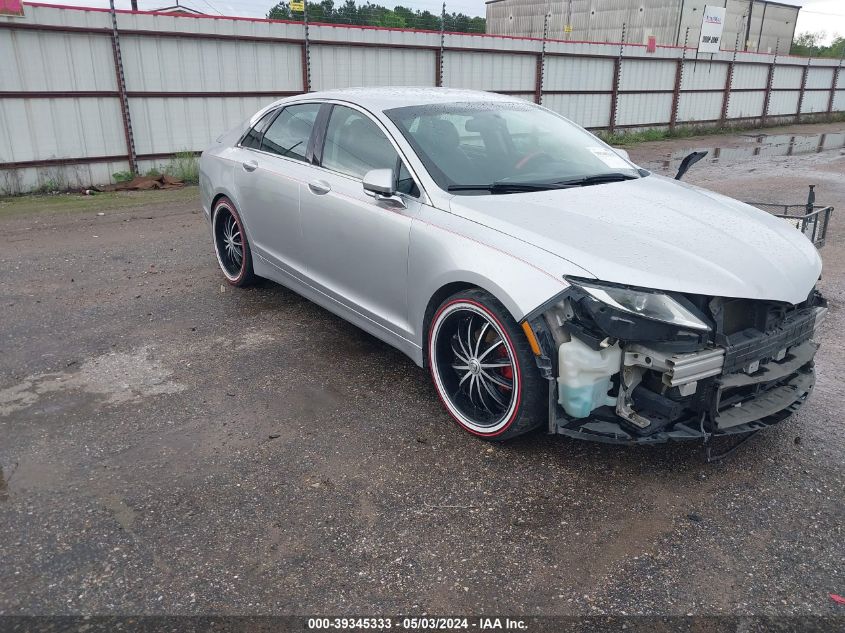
(648, 305)
(630, 314)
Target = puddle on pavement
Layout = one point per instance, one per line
(764, 145)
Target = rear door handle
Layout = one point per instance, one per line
(320, 187)
(250, 165)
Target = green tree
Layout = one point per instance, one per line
(377, 15)
(809, 45)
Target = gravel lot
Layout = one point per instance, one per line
(172, 445)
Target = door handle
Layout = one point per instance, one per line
(320, 187)
(250, 165)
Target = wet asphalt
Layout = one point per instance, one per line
(169, 444)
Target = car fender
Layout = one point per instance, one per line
(216, 178)
(445, 249)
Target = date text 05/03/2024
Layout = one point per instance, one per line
(425, 623)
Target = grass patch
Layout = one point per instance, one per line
(645, 136)
(185, 166)
(99, 203)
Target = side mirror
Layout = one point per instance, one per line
(380, 184)
(379, 181)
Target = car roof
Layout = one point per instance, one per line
(387, 97)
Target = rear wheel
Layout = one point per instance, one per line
(230, 244)
(483, 368)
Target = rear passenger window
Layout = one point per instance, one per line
(288, 135)
(253, 137)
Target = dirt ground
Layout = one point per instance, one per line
(171, 445)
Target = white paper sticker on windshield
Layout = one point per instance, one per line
(609, 158)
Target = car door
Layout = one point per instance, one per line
(275, 162)
(356, 247)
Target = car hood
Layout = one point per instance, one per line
(654, 232)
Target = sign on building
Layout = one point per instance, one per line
(11, 7)
(712, 23)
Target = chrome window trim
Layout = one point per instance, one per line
(423, 198)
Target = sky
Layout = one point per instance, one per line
(826, 16)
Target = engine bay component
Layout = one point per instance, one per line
(585, 376)
(629, 365)
(678, 369)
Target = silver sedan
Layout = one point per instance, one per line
(541, 276)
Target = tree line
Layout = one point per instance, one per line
(376, 15)
(808, 45)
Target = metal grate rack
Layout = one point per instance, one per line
(810, 218)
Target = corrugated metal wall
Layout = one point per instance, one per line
(754, 25)
(189, 79)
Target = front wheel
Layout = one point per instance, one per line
(230, 244)
(483, 368)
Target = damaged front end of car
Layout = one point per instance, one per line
(629, 365)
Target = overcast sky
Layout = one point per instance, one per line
(815, 16)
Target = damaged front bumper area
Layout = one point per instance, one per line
(717, 366)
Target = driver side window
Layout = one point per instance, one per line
(355, 145)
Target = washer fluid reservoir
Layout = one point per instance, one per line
(585, 375)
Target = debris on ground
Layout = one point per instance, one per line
(143, 183)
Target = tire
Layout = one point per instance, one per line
(230, 244)
(483, 368)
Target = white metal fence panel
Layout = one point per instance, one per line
(486, 71)
(644, 109)
(48, 61)
(699, 106)
(815, 101)
(744, 105)
(578, 73)
(750, 76)
(839, 101)
(589, 110)
(373, 36)
(704, 76)
(346, 66)
(166, 64)
(167, 126)
(785, 77)
(784, 102)
(639, 74)
(46, 129)
(53, 177)
(820, 78)
(216, 26)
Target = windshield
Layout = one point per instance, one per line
(483, 147)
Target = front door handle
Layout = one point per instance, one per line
(320, 187)
(250, 165)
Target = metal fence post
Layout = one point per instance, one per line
(617, 79)
(541, 61)
(834, 85)
(121, 89)
(768, 99)
(439, 56)
(306, 50)
(726, 101)
(679, 78)
(803, 90)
